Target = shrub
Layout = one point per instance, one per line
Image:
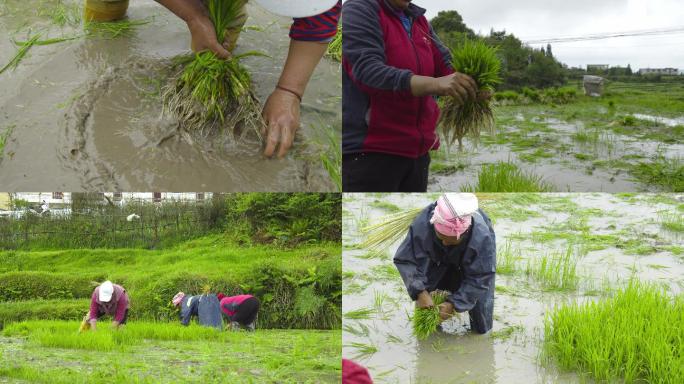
(29, 285)
(11, 312)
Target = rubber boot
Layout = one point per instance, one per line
(104, 10)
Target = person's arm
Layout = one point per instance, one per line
(412, 260)
(121, 307)
(92, 316)
(229, 307)
(309, 38)
(201, 28)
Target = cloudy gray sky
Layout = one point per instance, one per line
(542, 19)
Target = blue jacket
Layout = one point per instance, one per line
(423, 261)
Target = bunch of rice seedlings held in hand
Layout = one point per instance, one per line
(426, 320)
(210, 92)
(479, 61)
(335, 47)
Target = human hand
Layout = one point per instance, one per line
(424, 300)
(457, 85)
(446, 310)
(281, 115)
(204, 37)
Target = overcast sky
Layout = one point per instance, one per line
(533, 19)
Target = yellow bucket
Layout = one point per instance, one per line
(105, 10)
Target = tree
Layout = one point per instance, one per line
(549, 53)
(629, 70)
(447, 22)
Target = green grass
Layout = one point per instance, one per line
(507, 177)
(668, 173)
(55, 352)
(331, 158)
(634, 336)
(298, 288)
(21, 53)
(673, 221)
(385, 206)
(426, 320)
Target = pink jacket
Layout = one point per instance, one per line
(116, 307)
(229, 304)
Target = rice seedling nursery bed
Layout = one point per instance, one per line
(144, 352)
(556, 253)
(630, 139)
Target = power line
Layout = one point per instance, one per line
(610, 35)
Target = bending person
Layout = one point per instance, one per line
(309, 38)
(451, 246)
(241, 310)
(204, 307)
(108, 299)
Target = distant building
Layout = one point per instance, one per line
(659, 71)
(64, 198)
(597, 67)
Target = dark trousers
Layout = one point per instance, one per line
(380, 172)
(247, 311)
(482, 314)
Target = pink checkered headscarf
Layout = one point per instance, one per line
(178, 298)
(446, 220)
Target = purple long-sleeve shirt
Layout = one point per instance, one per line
(116, 307)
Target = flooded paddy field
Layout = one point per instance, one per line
(605, 240)
(86, 113)
(631, 139)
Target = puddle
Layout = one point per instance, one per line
(520, 307)
(100, 126)
(558, 158)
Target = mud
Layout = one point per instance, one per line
(512, 352)
(561, 168)
(88, 114)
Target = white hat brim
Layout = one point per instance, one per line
(297, 8)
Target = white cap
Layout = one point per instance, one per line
(297, 8)
(463, 204)
(106, 291)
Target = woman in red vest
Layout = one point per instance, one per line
(241, 310)
(394, 67)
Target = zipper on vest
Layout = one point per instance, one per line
(420, 106)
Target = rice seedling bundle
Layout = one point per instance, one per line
(426, 320)
(335, 47)
(209, 92)
(479, 61)
(388, 230)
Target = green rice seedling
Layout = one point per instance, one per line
(21, 53)
(332, 158)
(360, 314)
(634, 336)
(507, 332)
(506, 259)
(388, 230)
(673, 222)
(335, 47)
(385, 205)
(363, 351)
(3, 139)
(556, 271)
(361, 331)
(426, 320)
(479, 61)
(507, 177)
(209, 92)
(64, 14)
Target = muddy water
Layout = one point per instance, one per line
(562, 170)
(87, 114)
(456, 355)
